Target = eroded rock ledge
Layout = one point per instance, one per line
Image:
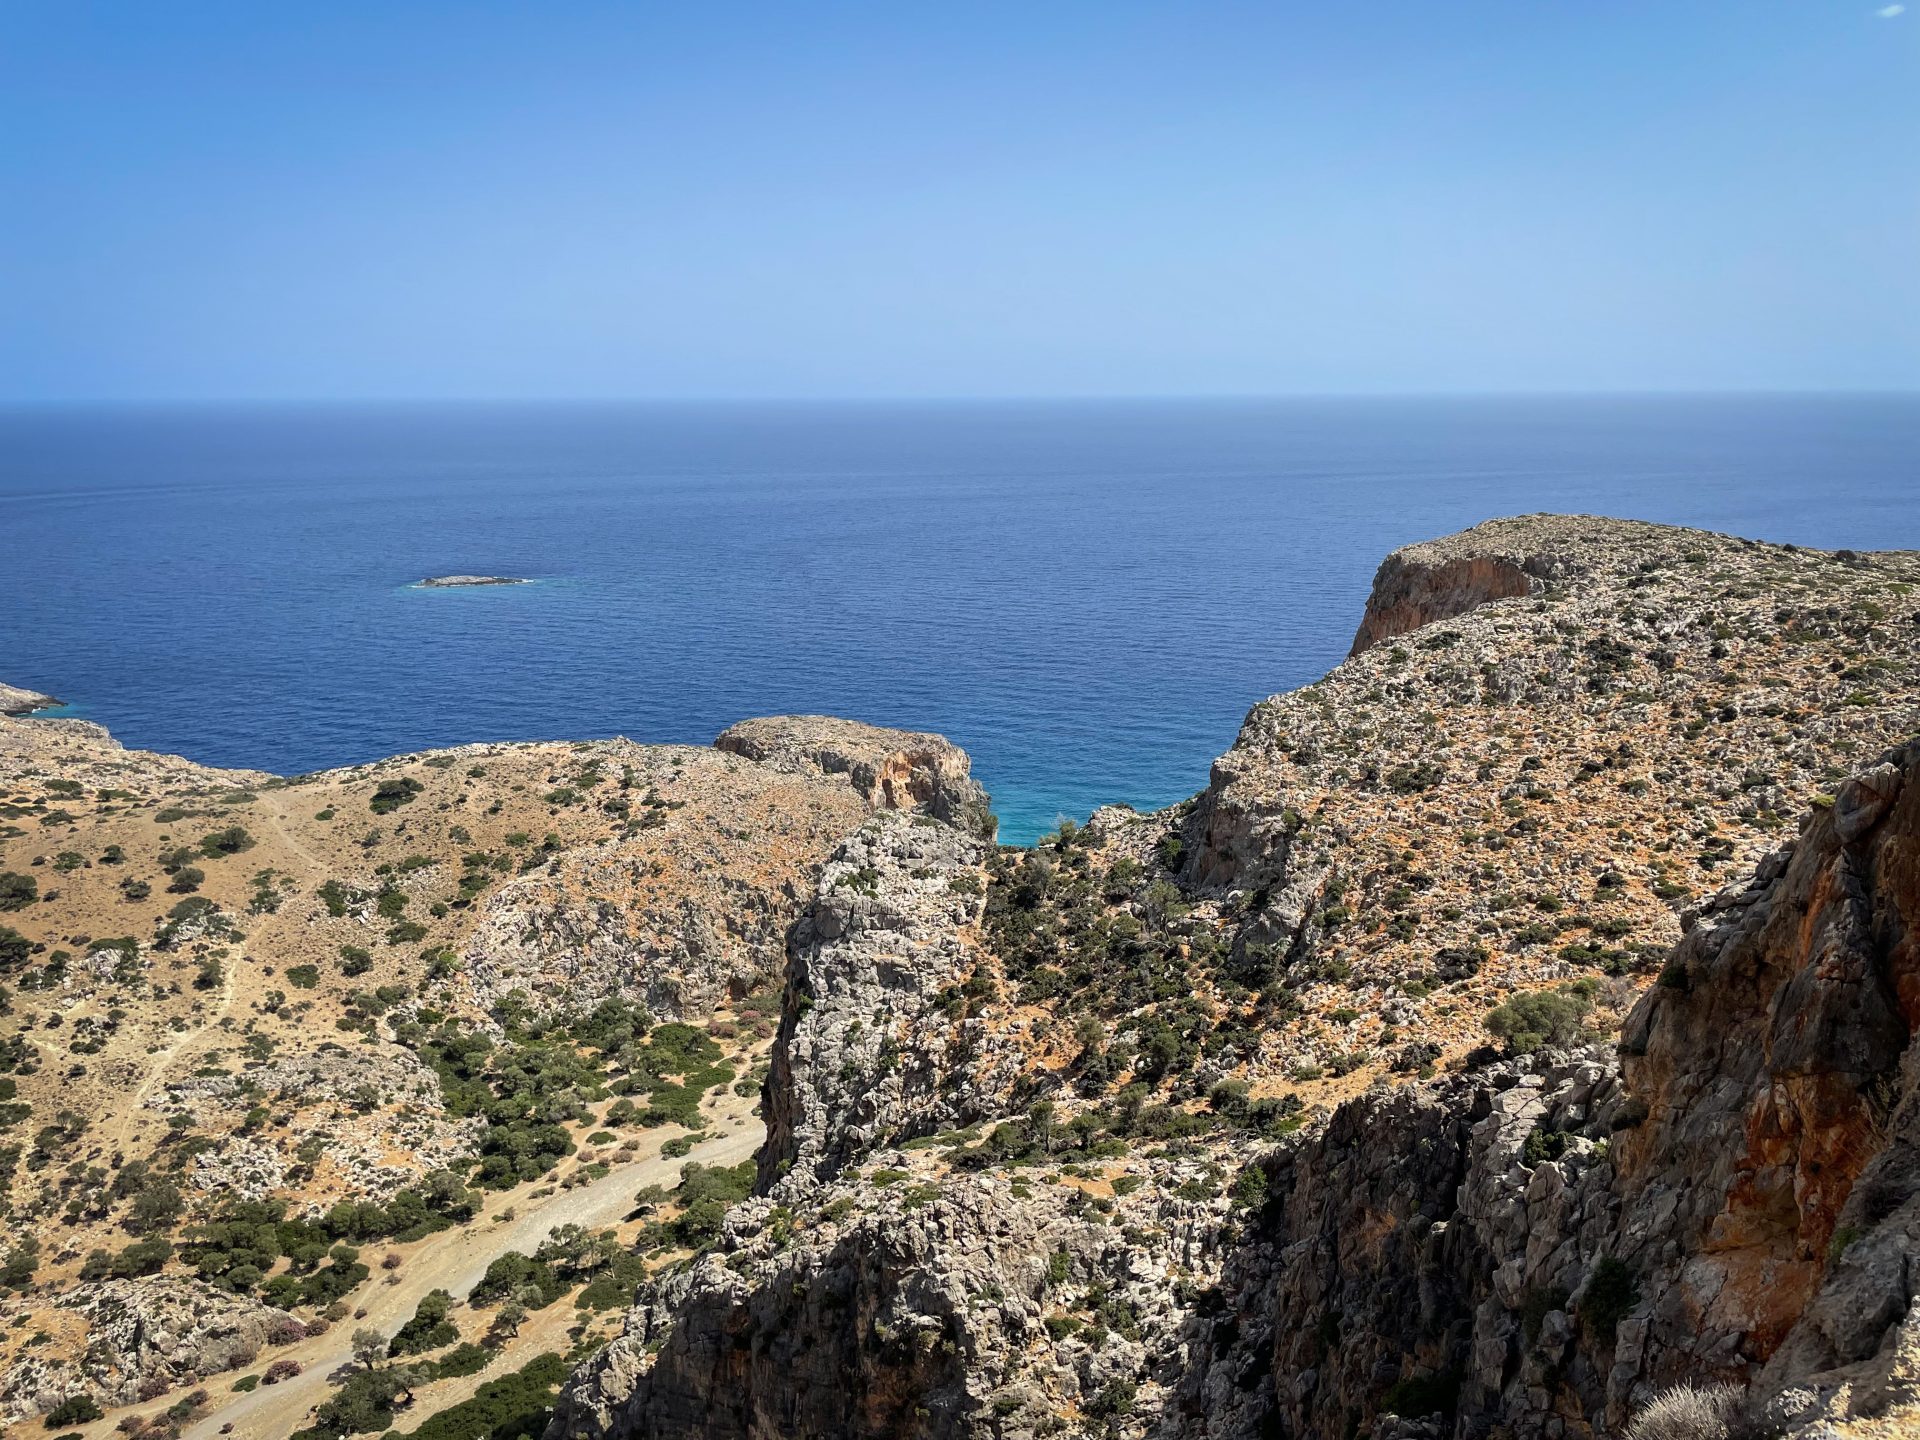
(891, 769)
(1500, 560)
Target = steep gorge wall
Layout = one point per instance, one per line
(1734, 1198)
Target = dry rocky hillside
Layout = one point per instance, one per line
(257, 1026)
(1517, 1027)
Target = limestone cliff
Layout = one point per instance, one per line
(865, 1053)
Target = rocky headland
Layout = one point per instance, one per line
(15, 701)
(1515, 1032)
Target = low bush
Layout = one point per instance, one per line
(429, 1329)
(390, 795)
(1689, 1413)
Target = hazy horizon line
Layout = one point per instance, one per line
(1060, 398)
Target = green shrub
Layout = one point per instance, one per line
(1537, 1018)
(613, 1287)
(1250, 1188)
(1059, 1267)
(464, 1359)
(429, 1329)
(1544, 1145)
(14, 948)
(230, 841)
(1114, 1401)
(1411, 779)
(510, 1408)
(707, 1192)
(1610, 1294)
(390, 795)
(513, 1272)
(74, 1410)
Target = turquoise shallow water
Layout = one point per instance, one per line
(1086, 596)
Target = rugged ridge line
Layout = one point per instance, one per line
(1539, 1247)
(1532, 1247)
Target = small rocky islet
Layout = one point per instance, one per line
(467, 582)
(1515, 1038)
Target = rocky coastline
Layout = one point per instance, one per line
(1515, 1040)
(17, 702)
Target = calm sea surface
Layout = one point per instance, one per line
(1086, 596)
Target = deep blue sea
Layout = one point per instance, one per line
(1087, 596)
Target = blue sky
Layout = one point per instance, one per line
(409, 199)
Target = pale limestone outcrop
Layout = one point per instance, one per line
(144, 1337)
(689, 907)
(890, 769)
(865, 1054)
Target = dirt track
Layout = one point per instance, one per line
(453, 1261)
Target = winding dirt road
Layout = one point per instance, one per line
(454, 1261)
